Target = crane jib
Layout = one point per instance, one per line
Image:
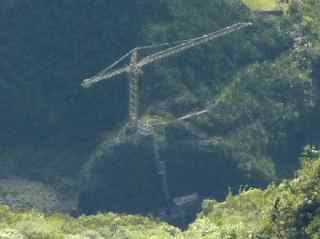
(190, 44)
(90, 81)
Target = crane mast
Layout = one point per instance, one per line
(134, 75)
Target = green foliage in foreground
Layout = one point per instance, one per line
(35, 225)
(289, 210)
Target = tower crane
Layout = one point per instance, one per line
(135, 72)
(134, 68)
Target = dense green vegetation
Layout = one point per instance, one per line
(288, 210)
(261, 86)
(263, 101)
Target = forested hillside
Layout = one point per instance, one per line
(289, 210)
(260, 86)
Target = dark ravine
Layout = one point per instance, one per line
(124, 178)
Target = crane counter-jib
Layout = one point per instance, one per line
(90, 81)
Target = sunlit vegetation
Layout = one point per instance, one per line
(287, 210)
(277, 212)
(262, 4)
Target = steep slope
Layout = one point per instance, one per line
(259, 98)
(262, 84)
